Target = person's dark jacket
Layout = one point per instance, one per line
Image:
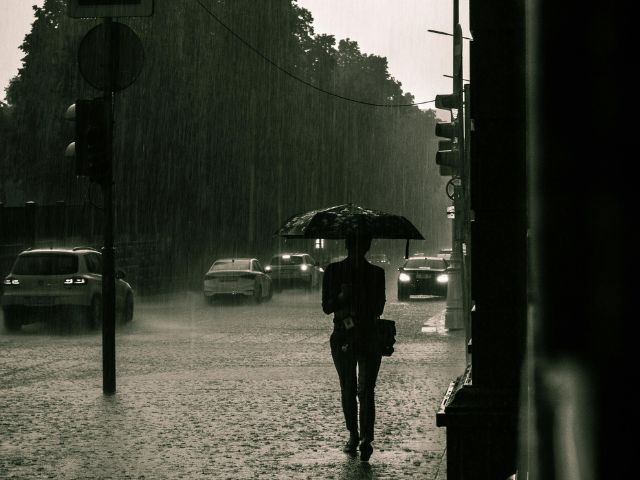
(367, 299)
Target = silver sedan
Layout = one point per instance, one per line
(237, 276)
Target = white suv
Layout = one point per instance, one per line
(42, 281)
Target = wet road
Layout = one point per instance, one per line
(232, 390)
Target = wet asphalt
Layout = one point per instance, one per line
(232, 390)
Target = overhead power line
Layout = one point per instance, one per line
(295, 77)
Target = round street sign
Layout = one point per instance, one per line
(451, 187)
(127, 51)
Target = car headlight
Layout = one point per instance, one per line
(304, 268)
(267, 268)
(443, 278)
(75, 281)
(321, 270)
(403, 277)
(11, 281)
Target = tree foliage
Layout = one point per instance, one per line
(213, 143)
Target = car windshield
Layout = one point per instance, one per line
(286, 260)
(231, 265)
(435, 263)
(46, 264)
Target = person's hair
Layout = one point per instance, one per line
(358, 243)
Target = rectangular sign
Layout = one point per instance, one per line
(109, 8)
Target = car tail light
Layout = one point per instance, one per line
(74, 281)
(12, 282)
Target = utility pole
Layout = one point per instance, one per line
(466, 234)
(119, 56)
(455, 311)
(108, 255)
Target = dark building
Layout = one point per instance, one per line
(544, 394)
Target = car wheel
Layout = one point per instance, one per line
(94, 313)
(12, 321)
(257, 294)
(403, 295)
(127, 313)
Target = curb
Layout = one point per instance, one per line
(435, 324)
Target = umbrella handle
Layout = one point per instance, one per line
(406, 250)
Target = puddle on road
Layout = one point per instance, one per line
(429, 329)
(434, 330)
(435, 325)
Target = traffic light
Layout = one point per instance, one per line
(90, 146)
(450, 101)
(448, 155)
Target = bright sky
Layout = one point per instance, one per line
(396, 29)
(16, 17)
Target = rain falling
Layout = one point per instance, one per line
(228, 118)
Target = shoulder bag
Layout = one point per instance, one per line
(386, 336)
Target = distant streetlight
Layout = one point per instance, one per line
(448, 34)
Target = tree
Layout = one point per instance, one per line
(214, 146)
(39, 96)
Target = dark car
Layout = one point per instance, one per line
(423, 276)
(446, 254)
(379, 259)
(294, 269)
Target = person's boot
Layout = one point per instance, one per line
(352, 444)
(365, 451)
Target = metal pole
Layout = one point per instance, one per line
(466, 176)
(108, 266)
(455, 313)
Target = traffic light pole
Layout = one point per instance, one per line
(466, 234)
(108, 256)
(118, 72)
(455, 311)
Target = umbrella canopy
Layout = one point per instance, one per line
(346, 220)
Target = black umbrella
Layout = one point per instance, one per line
(347, 220)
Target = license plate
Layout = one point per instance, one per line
(41, 301)
(423, 275)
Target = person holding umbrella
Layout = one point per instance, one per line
(353, 291)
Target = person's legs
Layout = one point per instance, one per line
(368, 368)
(345, 363)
